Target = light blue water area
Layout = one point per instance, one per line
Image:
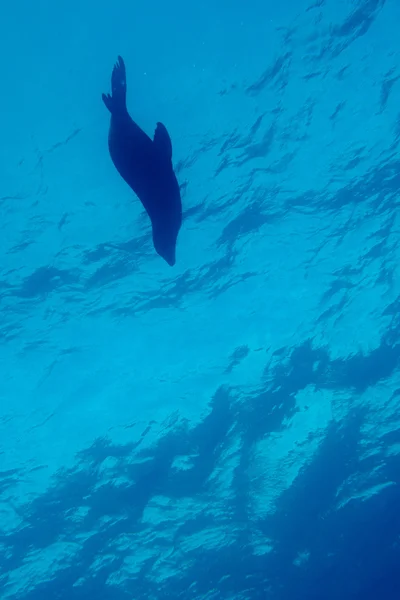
(227, 428)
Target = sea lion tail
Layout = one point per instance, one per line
(116, 102)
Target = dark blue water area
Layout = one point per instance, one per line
(228, 427)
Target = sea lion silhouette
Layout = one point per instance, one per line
(146, 166)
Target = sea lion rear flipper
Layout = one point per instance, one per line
(117, 100)
(162, 141)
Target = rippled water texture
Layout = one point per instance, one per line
(228, 428)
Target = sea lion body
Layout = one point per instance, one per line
(146, 166)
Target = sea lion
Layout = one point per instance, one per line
(146, 166)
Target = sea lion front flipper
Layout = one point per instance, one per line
(116, 102)
(162, 141)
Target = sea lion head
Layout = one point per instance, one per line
(164, 240)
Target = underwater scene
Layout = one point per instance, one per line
(200, 300)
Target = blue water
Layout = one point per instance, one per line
(227, 428)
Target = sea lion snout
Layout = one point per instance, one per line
(164, 242)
